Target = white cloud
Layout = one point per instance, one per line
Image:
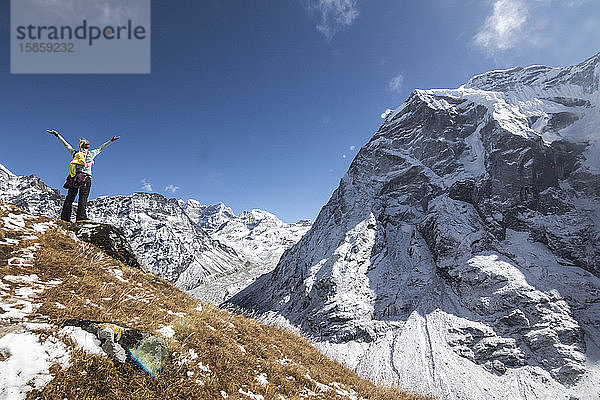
(343, 156)
(147, 186)
(352, 148)
(386, 113)
(334, 15)
(171, 188)
(504, 28)
(396, 83)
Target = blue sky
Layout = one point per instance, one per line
(264, 104)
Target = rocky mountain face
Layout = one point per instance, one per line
(209, 217)
(460, 254)
(29, 193)
(166, 238)
(258, 237)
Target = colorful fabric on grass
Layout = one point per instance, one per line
(150, 355)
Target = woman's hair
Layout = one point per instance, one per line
(84, 144)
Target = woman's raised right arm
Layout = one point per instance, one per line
(69, 148)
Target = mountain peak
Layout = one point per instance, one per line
(207, 216)
(595, 60)
(5, 171)
(580, 80)
(256, 216)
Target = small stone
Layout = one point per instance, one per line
(498, 366)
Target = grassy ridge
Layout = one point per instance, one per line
(214, 353)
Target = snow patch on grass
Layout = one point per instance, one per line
(166, 331)
(27, 363)
(203, 367)
(21, 278)
(9, 241)
(262, 380)
(42, 227)
(177, 314)
(119, 275)
(19, 310)
(14, 222)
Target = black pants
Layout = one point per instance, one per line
(84, 192)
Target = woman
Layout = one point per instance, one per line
(83, 176)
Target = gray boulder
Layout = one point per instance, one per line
(109, 239)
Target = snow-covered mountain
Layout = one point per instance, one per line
(460, 255)
(163, 237)
(258, 237)
(207, 250)
(211, 353)
(29, 193)
(209, 217)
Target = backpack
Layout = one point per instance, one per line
(78, 163)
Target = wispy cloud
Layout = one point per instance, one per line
(171, 188)
(334, 15)
(115, 12)
(102, 11)
(396, 84)
(518, 26)
(146, 186)
(503, 28)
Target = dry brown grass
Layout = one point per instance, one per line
(236, 349)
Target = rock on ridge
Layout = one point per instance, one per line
(108, 239)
